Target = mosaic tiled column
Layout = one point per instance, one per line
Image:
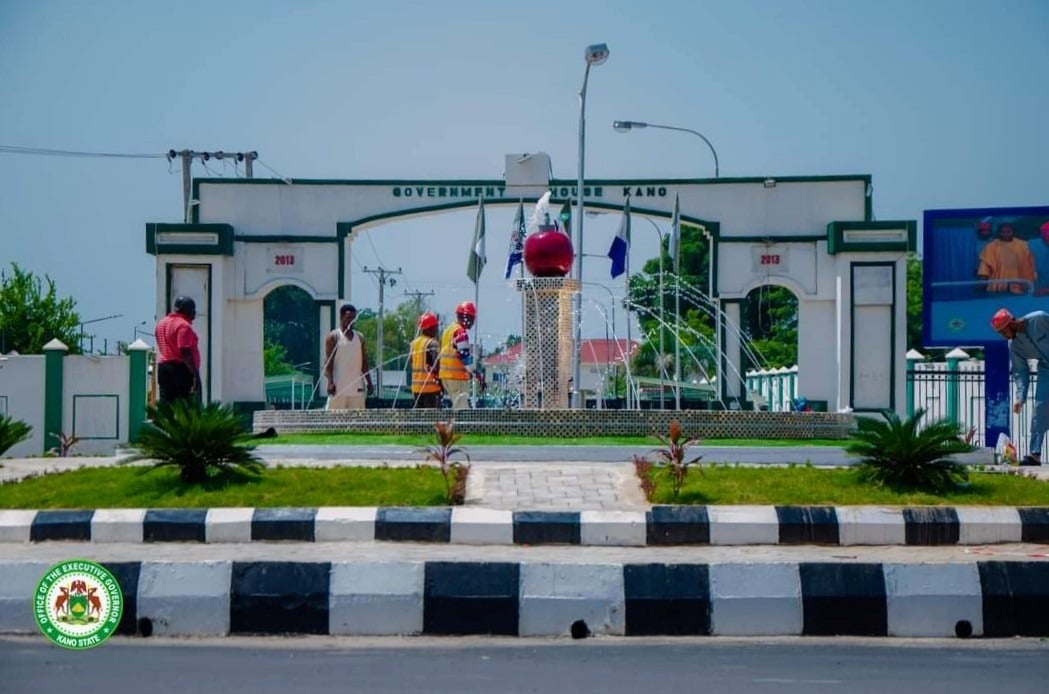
(547, 341)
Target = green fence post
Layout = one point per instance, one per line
(913, 357)
(138, 387)
(954, 358)
(54, 356)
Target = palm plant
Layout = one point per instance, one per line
(899, 453)
(453, 471)
(672, 455)
(196, 440)
(11, 432)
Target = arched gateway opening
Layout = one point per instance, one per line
(813, 235)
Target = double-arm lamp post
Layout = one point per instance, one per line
(624, 126)
(595, 54)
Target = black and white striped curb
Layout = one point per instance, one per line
(658, 526)
(219, 598)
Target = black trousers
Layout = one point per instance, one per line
(427, 400)
(175, 381)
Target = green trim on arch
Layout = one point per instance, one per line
(222, 246)
(836, 242)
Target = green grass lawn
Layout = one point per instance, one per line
(368, 439)
(141, 487)
(807, 486)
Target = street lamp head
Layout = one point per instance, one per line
(596, 53)
(625, 126)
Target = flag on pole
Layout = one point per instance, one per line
(477, 254)
(621, 243)
(565, 217)
(675, 236)
(517, 234)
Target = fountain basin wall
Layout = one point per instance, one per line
(564, 423)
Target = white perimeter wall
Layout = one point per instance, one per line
(22, 398)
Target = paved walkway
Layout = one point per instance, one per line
(540, 487)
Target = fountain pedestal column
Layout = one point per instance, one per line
(547, 341)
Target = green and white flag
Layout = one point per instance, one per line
(477, 253)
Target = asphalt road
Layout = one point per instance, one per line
(821, 456)
(457, 665)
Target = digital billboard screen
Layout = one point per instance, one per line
(976, 261)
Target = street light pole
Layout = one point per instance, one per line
(595, 54)
(625, 126)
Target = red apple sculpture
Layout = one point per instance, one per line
(548, 252)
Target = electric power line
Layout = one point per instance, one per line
(43, 151)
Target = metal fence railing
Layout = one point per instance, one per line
(945, 390)
(955, 392)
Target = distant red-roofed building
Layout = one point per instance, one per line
(598, 361)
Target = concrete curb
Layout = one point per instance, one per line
(989, 599)
(659, 526)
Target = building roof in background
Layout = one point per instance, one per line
(595, 351)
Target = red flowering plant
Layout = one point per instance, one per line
(444, 454)
(672, 455)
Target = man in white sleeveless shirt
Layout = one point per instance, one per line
(346, 364)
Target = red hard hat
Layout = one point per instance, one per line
(466, 308)
(427, 321)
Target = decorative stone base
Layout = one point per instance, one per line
(567, 424)
(547, 341)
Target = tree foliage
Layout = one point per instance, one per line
(769, 314)
(914, 302)
(696, 335)
(32, 314)
(275, 360)
(398, 331)
(770, 323)
(290, 331)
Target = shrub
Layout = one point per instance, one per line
(65, 443)
(643, 470)
(444, 454)
(12, 432)
(901, 454)
(672, 455)
(196, 440)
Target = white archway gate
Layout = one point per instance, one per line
(813, 235)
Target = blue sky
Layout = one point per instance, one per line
(943, 102)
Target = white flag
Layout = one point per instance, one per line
(477, 255)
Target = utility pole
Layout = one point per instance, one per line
(418, 298)
(384, 278)
(188, 155)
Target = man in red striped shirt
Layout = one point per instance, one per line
(178, 354)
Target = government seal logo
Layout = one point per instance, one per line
(78, 604)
